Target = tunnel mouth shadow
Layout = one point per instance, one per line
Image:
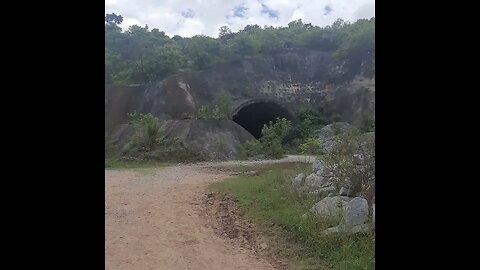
(253, 116)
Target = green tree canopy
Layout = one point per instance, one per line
(140, 55)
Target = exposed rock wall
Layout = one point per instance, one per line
(291, 78)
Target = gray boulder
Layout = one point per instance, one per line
(328, 134)
(316, 181)
(332, 130)
(356, 212)
(320, 185)
(324, 191)
(355, 218)
(331, 208)
(298, 181)
(318, 166)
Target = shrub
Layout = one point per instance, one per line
(273, 135)
(352, 161)
(270, 144)
(147, 132)
(311, 146)
(149, 142)
(249, 149)
(310, 120)
(367, 124)
(203, 113)
(222, 107)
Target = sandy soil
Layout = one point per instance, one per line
(160, 219)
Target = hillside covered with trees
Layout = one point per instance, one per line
(142, 55)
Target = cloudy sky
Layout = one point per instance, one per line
(193, 17)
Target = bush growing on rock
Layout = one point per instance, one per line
(149, 142)
(346, 169)
(222, 108)
(203, 113)
(352, 161)
(148, 133)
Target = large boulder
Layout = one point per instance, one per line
(315, 181)
(320, 185)
(355, 218)
(212, 139)
(328, 134)
(330, 208)
(356, 212)
(324, 191)
(332, 130)
(321, 182)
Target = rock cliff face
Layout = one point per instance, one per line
(285, 81)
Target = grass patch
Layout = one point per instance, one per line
(266, 167)
(267, 200)
(116, 164)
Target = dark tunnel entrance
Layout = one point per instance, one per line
(253, 116)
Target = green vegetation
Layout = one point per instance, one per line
(149, 145)
(116, 163)
(267, 199)
(148, 135)
(222, 108)
(311, 146)
(352, 161)
(367, 124)
(270, 144)
(310, 119)
(141, 55)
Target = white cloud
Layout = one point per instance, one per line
(207, 16)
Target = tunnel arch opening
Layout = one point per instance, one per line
(254, 115)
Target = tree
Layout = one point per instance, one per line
(163, 61)
(251, 28)
(224, 31)
(225, 34)
(113, 18)
(203, 51)
(273, 135)
(311, 146)
(358, 45)
(112, 21)
(140, 55)
(221, 108)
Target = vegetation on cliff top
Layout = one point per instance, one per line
(141, 55)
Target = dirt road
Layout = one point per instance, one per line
(154, 220)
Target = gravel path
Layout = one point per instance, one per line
(154, 220)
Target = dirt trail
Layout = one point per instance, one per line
(154, 219)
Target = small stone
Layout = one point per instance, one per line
(298, 180)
